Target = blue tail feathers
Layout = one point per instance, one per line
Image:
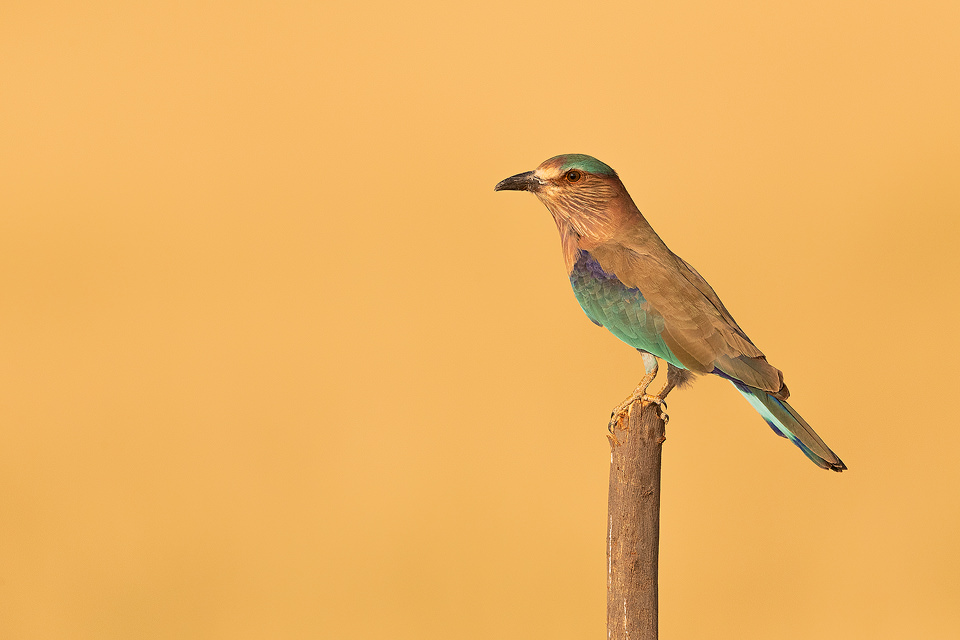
(787, 423)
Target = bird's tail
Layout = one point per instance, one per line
(787, 423)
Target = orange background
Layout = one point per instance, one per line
(276, 361)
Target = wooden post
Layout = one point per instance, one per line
(633, 524)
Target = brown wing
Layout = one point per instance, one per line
(698, 329)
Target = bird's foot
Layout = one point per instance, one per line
(661, 406)
(623, 409)
(620, 413)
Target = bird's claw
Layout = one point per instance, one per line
(623, 411)
(617, 415)
(661, 406)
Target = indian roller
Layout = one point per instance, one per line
(627, 280)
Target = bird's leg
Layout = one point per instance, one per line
(675, 376)
(640, 393)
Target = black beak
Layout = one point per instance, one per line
(520, 182)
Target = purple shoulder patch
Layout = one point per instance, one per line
(588, 265)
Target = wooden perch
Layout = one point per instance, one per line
(633, 525)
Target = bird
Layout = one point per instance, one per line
(627, 280)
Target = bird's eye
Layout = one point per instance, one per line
(574, 176)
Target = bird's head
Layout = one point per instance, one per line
(578, 189)
(573, 173)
